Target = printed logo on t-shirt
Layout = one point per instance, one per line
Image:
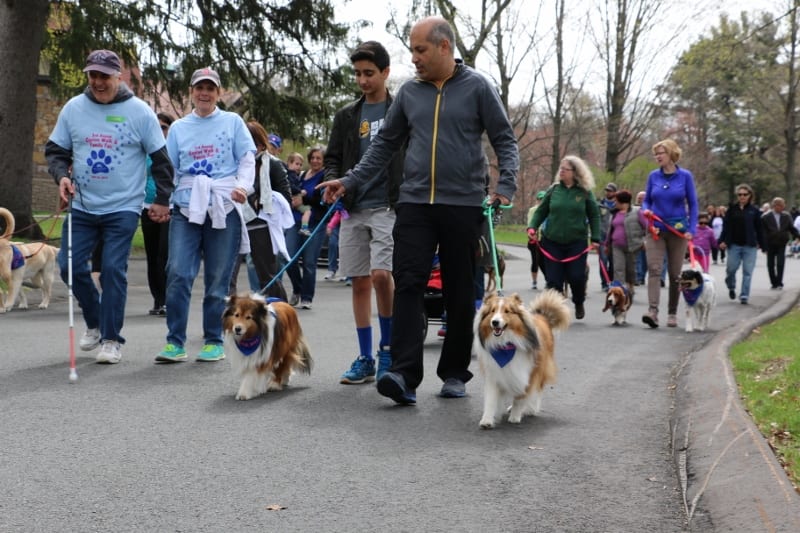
(369, 129)
(203, 156)
(102, 158)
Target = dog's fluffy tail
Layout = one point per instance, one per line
(10, 223)
(305, 355)
(553, 307)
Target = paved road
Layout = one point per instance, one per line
(142, 447)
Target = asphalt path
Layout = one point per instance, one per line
(642, 432)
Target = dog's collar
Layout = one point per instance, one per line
(692, 295)
(248, 346)
(504, 354)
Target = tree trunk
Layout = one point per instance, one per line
(790, 131)
(22, 24)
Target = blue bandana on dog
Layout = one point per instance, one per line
(248, 346)
(17, 258)
(692, 295)
(504, 354)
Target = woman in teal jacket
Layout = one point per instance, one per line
(572, 219)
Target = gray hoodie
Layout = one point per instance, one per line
(444, 162)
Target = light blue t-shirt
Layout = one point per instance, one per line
(109, 144)
(211, 145)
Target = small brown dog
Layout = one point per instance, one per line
(618, 300)
(491, 283)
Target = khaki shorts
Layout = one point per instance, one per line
(365, 242)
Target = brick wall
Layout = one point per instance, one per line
(44, 190)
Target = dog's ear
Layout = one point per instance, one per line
(608, 303)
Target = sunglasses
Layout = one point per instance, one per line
(164, 127)
(742, 194)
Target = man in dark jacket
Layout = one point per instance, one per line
(778, 230)
(742, 236)
(365, 235)
(442, 115)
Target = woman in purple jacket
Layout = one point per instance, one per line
(671, 204)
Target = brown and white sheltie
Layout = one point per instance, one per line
(266, 342)
(514, 346)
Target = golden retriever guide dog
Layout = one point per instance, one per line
(514, 346)
(31, 263)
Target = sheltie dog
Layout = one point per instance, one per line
(618, 300)
(266, 342)
(514, 346)
(700, 296)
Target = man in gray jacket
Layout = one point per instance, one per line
(442, 114)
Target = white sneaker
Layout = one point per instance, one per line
(330, 276)
(109, 353)
(90, 340)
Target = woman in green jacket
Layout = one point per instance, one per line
(572, 218)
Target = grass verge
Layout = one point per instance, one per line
(767, 370)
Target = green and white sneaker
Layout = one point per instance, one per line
(171, 354)
(211, 353)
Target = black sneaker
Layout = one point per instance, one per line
(580, 312)
(731, 294)
(453, 388)
(392, 385)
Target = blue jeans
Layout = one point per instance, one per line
(116, 232)
(219, 250)
(304, 283)
(746, 257)
(641, 265)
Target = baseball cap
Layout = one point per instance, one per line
(371, 51)
(540, 195)
(274, 140)
(104, 61)
(612, 187)
(206, 73)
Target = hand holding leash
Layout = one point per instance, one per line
(532, 238)
(333, 191)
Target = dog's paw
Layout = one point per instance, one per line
(274, 385)
(242, 396)
(514, 418)
(487, 422)
(42, 306)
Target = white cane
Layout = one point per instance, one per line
(73, 373)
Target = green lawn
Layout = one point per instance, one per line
(52, 226)
(767, 369)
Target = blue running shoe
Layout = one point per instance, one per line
(171, 353)
(211, 353)
(392, 385)
(384, 357)
(361, 371)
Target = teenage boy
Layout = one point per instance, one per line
(365, 240)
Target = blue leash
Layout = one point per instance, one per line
(319, 225)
